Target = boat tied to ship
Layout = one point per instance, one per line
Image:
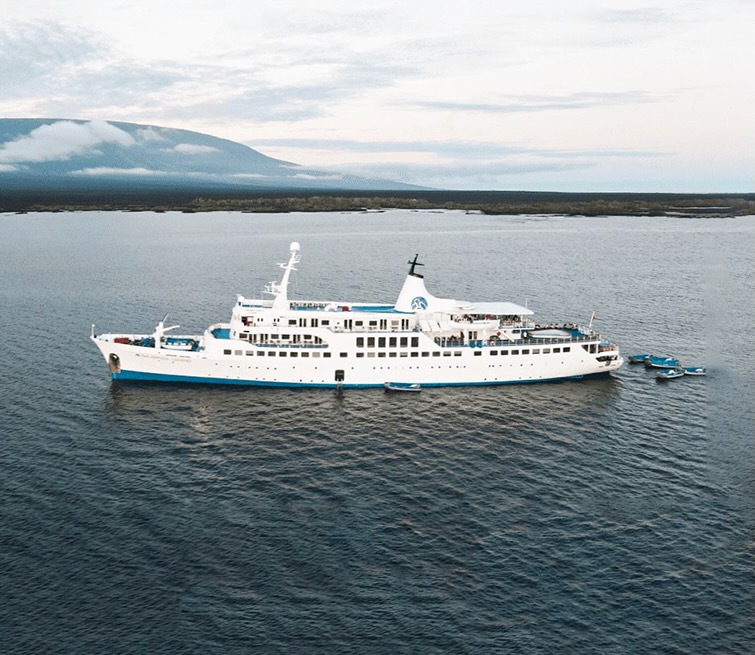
(420, 339)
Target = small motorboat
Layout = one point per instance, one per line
(661, 362)
(637, 359)
(402, 386)
(669, 374)
(694, 370)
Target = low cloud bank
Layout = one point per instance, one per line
(62, 140)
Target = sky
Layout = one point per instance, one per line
(580, 95)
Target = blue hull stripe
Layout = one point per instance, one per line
(159, 377)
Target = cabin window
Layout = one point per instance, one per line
(294, 354)
(305, 354)
(436, 354)
(370, 342)
(404, 342)
(271, 353)
(226, 352)
(325, 321)
(457, 353)
(292, 321)
(415, 354)
(249, 353)
(546, 351)
(391, 354)
(514, 352)
(415, 342)
(526, 351)
(283, 353)
(477, 353)
(536, 351)
(381, 354)
(493, 352)
(360, 354)
(381, 342)
(447, 354)
(392, 342)
(324, 354)
(344, 354)
(373, 324)
(557, 350)
(285, 337)
(360, 342)
(567, 349)
(425, 354)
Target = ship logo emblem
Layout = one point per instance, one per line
(419, 303)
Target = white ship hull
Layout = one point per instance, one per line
(421, 339)
(433, 366)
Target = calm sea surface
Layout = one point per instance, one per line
(611, 516)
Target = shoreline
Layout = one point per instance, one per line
(489, 203)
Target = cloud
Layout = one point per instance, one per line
(146, 134)
(39, 52)
(62, 140)
(105, 170)
(461, 150)
(318, 176)
(580, 100)
(193, 149)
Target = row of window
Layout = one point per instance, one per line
(345, 323)
(390, 342)
(447, 353)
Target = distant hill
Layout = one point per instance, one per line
(71, 156)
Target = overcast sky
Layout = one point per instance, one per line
(580, 95)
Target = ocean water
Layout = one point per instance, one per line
(605, 516)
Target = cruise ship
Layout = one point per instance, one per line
(420, 340)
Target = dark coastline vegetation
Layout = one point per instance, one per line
(486, 202)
